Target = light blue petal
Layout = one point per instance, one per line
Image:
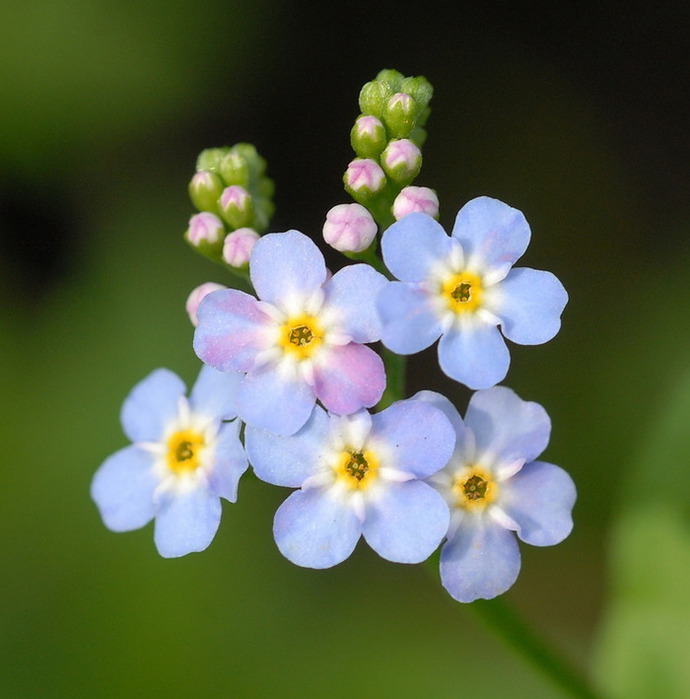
(475, 355)
(151, 405)
(420, 438)
(529, 303)
(481, 561)
(286, 264)
(266, 399)
(351, 295)
(230, 462)
(413, 246)
(349, 377)
(493, 235)
(314, 530)
(540, 498)
(122, 488)
(231, 330)
(409, 320)
(507, 428)
(442, 403)
(407, 522)
(288, 461)
(186, 522)
(215, 393)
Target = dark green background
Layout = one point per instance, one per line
(575, 115)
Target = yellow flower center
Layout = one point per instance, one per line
(463, 292)
(300, 336)
(357, 469)
(474, 488)
(184, 449)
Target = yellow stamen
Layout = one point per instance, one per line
(301, 335)
(184, 449)
(474, 488)
(463, 292)
(357, 469)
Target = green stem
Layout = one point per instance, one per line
(395, 378)
(514, 631)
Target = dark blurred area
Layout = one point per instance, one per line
(577, 114)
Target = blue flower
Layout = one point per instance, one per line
(461, 288)
(497, 489)
(301, 340)
(358, 475)
(183, 459)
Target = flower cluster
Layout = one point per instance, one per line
(292, 386)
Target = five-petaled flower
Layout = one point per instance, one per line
(496, 489)
(358, 475)
(301, 340)
(183, 459)
(461, 288)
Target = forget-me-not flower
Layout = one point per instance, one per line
(496, 489)
(358, 475)
(461, 288)
(183, 459)
(301, 340)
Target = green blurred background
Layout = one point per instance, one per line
(574, 114)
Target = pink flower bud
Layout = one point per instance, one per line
(205, 227)
(412, 199)
(236, 206)
(402, 159)
(349, 228)
(364, 174)
(238, 245)
(236, 196)
(195, 298)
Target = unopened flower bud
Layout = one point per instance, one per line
(401, 160)
(420, 88)
(205, 229)
(364, 178)
(234, 169)
(236, 206)
(374, 96)
(411, 199)
(349, 228)
(195, 298)
(204, 189)
(400, 114)
(238, 246)
(210, 158)
(368, 137)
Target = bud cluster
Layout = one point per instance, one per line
(387, 138)
(234, 198)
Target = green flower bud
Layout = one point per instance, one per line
(236, 206)
(368, 136)
(419, 88)
(255, 163)
(204, 189)
(234, 169)
(394, 78)
(400, 114)
(210, 159)
(374, 96)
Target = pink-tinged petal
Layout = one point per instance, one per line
(151, 405)
(507, 428)
(215, 393)
(493, 235)
(419, 438)
(123, 487)
(232, 330)
(410, 322)
(289, 461)
(413, 246)
(351, 301)
(406, 522)
(481, 561)
(315, 530)
(229, 462)
(529, 303)
(540, 499)
(186, 522)
(269, 400)
(349, 377)
(474, 354)
(284, 265)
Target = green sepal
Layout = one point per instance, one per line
(374, 96)
(204, 189)
(365, 145)
(400, 116)
(210, 159)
